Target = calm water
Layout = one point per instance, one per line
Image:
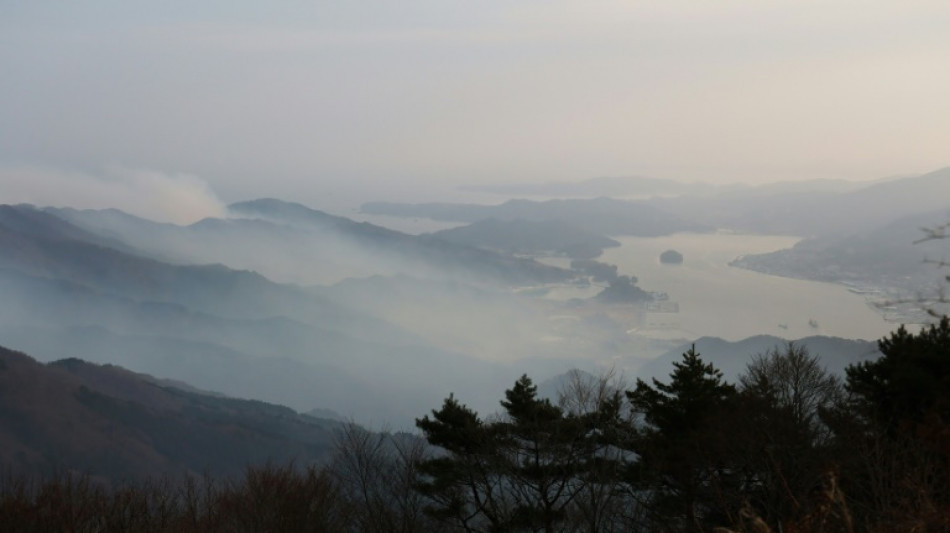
(719, 300)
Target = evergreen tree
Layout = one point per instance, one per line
(534, 468)
(910, 381)
(463, 484)
(900, 419)
(680, 471)
(542, 449)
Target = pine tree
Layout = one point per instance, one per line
(901, 421)
(462, 484)
(910, 381)
(678, 467)
(534, 468)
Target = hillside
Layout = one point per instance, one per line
(886, 256)
(278, 239)
(529, 237)
(402, 252)
(76, 416)
(221, 329)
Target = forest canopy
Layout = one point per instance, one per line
(789, 447)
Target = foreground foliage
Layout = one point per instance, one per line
(789, 448)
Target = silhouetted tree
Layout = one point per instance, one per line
(680, 470)
(910, 382)
(463, 483)
(535, 467)
(601, 504)
(375, 472)
(779, 442)
(900, 419)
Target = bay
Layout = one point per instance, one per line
(716, 299)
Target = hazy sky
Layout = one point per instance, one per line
(305, 97)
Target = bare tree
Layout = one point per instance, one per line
(794, 380)
(780, 436)
(601, 501)
(939, 303)
(376, 472)
(585, 393)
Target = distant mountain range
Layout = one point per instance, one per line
(73, 416)
(604, 216)
(732, 357)
(644, 187)
(816, 211)
(858, 233)
(66, 291)
(275, 238)
(611, 186)
(816, 208)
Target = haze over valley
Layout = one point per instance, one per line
(670, 266)
(292, 305)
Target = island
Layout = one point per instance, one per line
(623, 289)
(671, 257)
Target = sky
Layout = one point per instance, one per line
(197, 103)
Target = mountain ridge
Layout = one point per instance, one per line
(115, 424)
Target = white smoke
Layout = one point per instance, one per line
(151, 194)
